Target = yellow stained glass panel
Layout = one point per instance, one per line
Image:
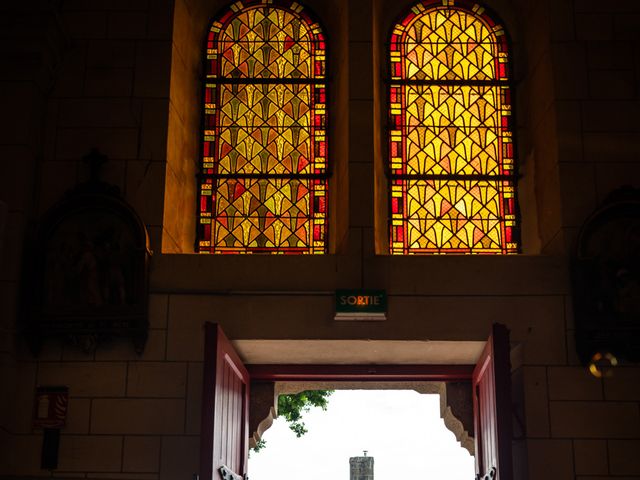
(263, 182)
(451, 147)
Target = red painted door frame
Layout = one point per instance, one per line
(364, 373)
(491, 384)
(224, 437)
(490, 376)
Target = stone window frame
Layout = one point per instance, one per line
(536, 193)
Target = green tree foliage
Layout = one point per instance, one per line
(292, 406)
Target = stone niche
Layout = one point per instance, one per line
(606, 279)
(87, 269)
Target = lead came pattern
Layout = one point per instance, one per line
(450, 148)
(276, 41)
(264, 164)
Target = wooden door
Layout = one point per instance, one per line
(492, 408)
(225, 409)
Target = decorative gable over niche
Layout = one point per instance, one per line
(87, 268)
(606, 279)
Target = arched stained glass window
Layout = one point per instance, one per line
(263, 183)
(451, 155)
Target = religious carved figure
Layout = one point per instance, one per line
(89, 268)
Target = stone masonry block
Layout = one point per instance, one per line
(616, 84)
(561, 20)
(85, 379)
(144, 189)
(624, 384)
(137, 416)
(155, 122)
(84, 25)
(78, 416)
(21, 399)
(110, 5)
(569, 69)
(129, 25)
(66, 175)
(71, 71)
(540, 84)
(108, 82)
(578, 192)
(141, 454)
(98, 112)
(536, 402)
(111, 53)
(627, 27)
(611, 176)
(180, 456)
(159, 19)
(361, 133)
(550, 460)
(570, 147)
(360, 71)
(17, 171)
(80, 453)
(20, 454)
(573, 383)
(360, 24)
(594, 419)
(158, 310)
(609, 55)
(624, 457)
(611, 116)
(187, 32)
(157, 379)
(594, 26)
(361, 198)
(244, 317)
(596, 6)
(194, 398)
(153, 69)
(121, 349)
(611, 147)
(116, 143)
(590, 457)
(19, 102)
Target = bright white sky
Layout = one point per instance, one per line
(402, 430)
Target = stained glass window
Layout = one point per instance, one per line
(451, 155)
(263, 182)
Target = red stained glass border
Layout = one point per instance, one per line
(317, 43)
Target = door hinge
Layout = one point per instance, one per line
(487, 476)
(227, 474)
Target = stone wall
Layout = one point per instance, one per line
(122, 76)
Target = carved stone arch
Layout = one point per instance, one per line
(456, 403)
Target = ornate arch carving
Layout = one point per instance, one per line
(456, 407)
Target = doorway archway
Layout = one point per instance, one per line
(227, 410)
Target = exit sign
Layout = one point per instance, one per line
(361, 305)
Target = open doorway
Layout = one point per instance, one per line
(227, 412)
(401, 429)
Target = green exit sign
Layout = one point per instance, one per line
(361, 305)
